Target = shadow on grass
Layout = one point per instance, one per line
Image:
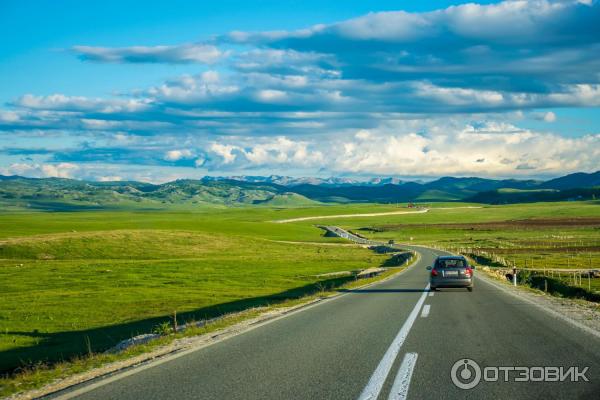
(59, 346)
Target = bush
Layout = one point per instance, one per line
(163, 329)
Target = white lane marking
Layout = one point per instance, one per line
(431, 294)
(402, 382)
(77, 389)
(373, 388)
(425, 312)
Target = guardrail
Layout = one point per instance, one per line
(339, 232)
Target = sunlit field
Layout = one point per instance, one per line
(78, 279)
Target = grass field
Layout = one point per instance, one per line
(73, 280)
(528, 236)
(67, 280)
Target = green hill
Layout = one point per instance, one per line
(287, 200)
(56, 194)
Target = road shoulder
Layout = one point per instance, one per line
(581, 314)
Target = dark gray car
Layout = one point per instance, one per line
(451, 272)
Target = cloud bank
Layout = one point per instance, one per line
(396, 93)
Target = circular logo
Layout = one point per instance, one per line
(465, 374)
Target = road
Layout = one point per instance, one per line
(364, 343)
(379, 214)
(285, 221)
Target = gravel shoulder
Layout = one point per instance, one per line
(583, 314)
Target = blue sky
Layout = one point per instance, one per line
(111, 90)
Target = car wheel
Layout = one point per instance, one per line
(470, 288)
(432, 288)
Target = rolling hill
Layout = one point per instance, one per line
(58, 194)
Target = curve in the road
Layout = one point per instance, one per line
(372, 341)
(285, 221)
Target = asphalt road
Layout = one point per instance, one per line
(391, 340)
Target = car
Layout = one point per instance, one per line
(451, 272)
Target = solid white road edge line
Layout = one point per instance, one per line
(425, 312)
(373, 388)
(402, 382)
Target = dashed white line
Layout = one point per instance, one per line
(402, 382)
(373, 388)
(425, 312)
(431, 294)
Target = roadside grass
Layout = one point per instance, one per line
(40, 374)
(71, 282)
(513, 233)
(529, 236)
(108, 286)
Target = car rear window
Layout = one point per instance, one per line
(451, 263)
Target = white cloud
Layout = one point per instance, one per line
(363, 134)
(58, 170)
(282, 150)
(487, 148)
(549, 117)
(388, 92)
(224, 151)
(490, 149)
(80, 103)
(175, 155)
(205, 86)
(271, 95)
(8, 116)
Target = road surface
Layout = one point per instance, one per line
(392, 340)
(285, 221)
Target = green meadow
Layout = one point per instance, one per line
(529, 236)
(74, 281)
(71, 282)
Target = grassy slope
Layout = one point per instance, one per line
(109, 275)
(550, 246)
(66, 277)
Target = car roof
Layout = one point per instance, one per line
(451, 258)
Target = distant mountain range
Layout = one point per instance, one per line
(291, 181)
(67, 194)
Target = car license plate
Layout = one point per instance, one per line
(450, 273)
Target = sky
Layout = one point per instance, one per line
(114, 91)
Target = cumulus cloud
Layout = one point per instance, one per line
(505, 57)
(549, 117)
(389, 92)
(175, 155)
(513, 46)
(180, 54)
(58, 170)
(473, 149)
(485, 148)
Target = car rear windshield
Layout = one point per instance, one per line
(451, 263)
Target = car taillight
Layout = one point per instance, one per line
(434, 272)
(469, 271)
